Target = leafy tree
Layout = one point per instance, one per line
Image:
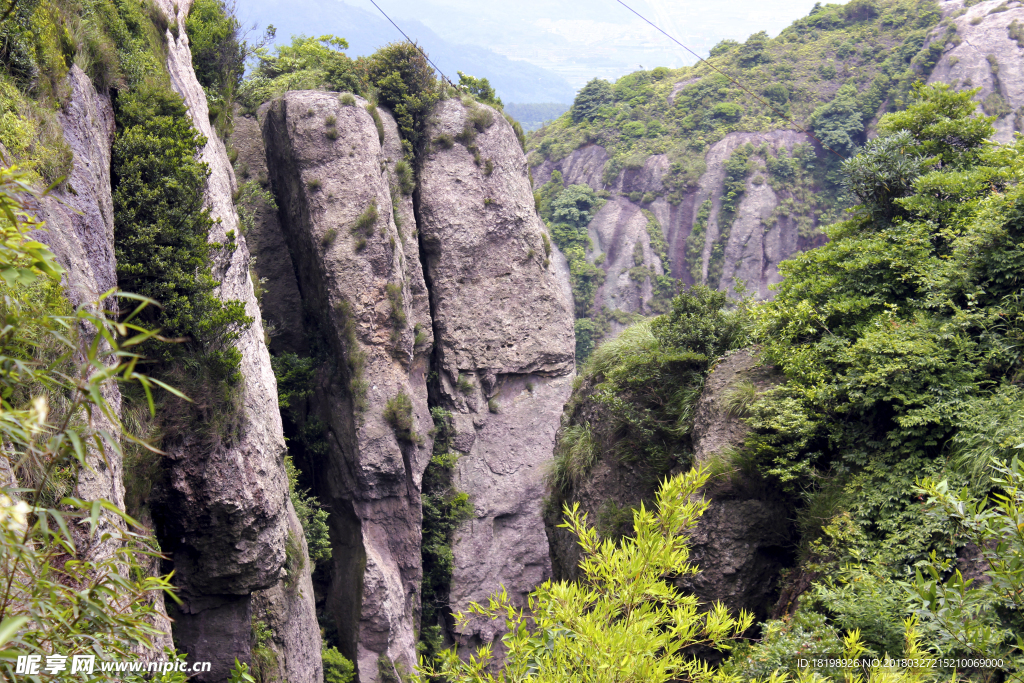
(406, 85)
(308, 63)
(480, 88)
(893, 333)
(624, 620)
(213, 35)
(838, 123)
(594, 95)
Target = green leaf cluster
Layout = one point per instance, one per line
(445, 508)
(624, 620)
(900, 341)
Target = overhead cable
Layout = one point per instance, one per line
(735, 82)
(414, 43)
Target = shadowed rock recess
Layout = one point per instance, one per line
(405, 301)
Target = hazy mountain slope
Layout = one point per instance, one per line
(727, 175)
(515, 81)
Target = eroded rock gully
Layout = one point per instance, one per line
(404, 296)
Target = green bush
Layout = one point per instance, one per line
(218, 57)
(594, 95)
(161, 230)
(398, 414)
(337, 667)
(311, 515)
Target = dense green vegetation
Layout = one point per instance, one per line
(444, 509)
(71, 571)
(900, 342)
(895, 428)
(634, 397)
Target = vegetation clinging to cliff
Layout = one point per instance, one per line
(56, 421)
(830, 72)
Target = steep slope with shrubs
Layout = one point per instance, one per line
(887, 376)
(714, 181)
(148, 208)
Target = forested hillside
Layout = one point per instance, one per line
(885, 415)
(714, 174)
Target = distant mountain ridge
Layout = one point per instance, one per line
(514, 81)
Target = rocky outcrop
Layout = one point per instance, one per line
(79, 217)
(988, 57)
(79, 220)
(760, 236)
(230, 522)
(443, 299)
(741, 543)
(744, 540)
(504, 347)
(351, 235)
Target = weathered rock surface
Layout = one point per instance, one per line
(288, 609)
(365, 295)
(503, 322)
(80, 230)
(230, 503)
(987, 58)
(751, 251)
(743, 540)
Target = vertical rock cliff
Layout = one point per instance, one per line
(504, 347)
(231, 514)
(439, 298)
(352, 237)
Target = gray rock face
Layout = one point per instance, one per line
(742, 541)
(752, 250)
(987, 57)
(80, 230)
(503, 322)
(231, 502)
(288, 609)
(364, 288)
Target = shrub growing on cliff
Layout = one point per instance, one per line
(218, 56)
(311, 515)
(622, 620)
(406, 85)
(444, 510)
(161, 227)
(398, 413)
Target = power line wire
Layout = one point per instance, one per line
(735, 82)
(414, 43)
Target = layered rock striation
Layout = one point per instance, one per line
(504, 348)
(438, 298)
